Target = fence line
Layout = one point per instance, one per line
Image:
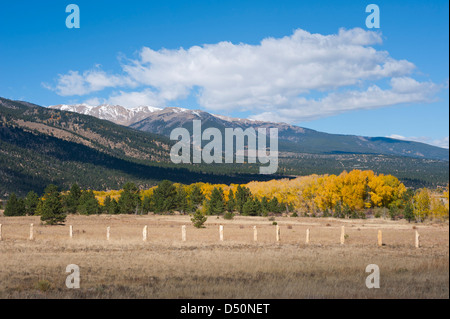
(343, 235)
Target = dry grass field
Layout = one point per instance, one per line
(204, 267)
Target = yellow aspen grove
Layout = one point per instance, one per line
(316, 194)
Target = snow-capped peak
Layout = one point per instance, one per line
(114, 113)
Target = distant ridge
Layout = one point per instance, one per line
(292, 138)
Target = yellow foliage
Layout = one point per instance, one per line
(101, 195)
(357, 189)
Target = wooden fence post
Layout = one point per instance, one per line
(342, 235)
(144, 233)
(71, 231)
(417, 239)
(221, 232)
(308, 236)
(107, 232)
(380, 238)
(1, 238)
(31, 232)
(255, 234)
(278, 233)
(183, 233)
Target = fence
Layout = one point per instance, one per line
(223, 236)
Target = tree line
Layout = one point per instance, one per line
(356, 194)
(53, 206)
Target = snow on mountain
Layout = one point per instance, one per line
(124, 116)
(114, 113)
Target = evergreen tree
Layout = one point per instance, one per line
(111, 206)
(51, 208)
(15, 206)
(242, 195)
(181, 199)
(129, 200)
(346, 211)
(252, 207)
(231, 203)
(31, 203)
(264, 206)
(274, 206)
(72, 199)
(164, 197)
(147, 204)
(195, 198)
(215, 205)
(408, 212)
(88, 204)
(393, 211)
(338, 210)
(198, 219)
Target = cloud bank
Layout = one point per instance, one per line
(299, 77)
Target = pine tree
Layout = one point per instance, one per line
(393, 211)
(408, 212)
(274, 206)
(88, 204)
(252, 207)
(111, 206)
(231, 203)
(147, 204)
(181, 199)
(215, 205)
(338, 211)
(72, 200)
(31, 203)
(51, 208)
(264, 206)
(15, 206)
(242, 195)
(129, 200)
(195, 198)
(198, 219)
(164, 197)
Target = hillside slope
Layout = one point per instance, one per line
(39, 146)
(292, 138)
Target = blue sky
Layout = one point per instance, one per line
(311, 63)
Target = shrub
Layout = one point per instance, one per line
(198, 219)
(228, 215)
(43, 285)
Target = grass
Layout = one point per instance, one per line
(203, 267)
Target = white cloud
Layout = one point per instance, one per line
(403, 90)
(276, 79)
(443, 142)
(74, 83)
(134, 99)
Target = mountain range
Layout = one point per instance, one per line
(292, 138)
(59, 145)
(41, 146)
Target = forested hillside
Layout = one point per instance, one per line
(41, 146)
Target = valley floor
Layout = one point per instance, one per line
(164, 267)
